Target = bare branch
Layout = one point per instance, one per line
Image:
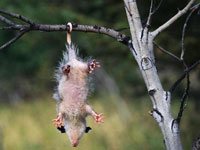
(32, 26)
(183, 31)
(193, 66)
(183, 99)
(150, 14)
(166, 52)
(154, 11)
(19, 34)
(146, 27)
(188, 69)
(6, 21)
(173, 19)
(20, 17)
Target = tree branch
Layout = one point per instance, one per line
(183, 99)
(173, 19)
(32, 26)
(14, 15)
(6, 21)
(184, 28)
(166, 52)
(158, 6)
(150, 14)
(193, 66)
(188, 69)
(19, 34)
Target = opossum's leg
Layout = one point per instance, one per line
(66, 69)
(92, 65)
(98, 117)
(58, 122)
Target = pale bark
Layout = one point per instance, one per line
(173, 19)
(142, 41)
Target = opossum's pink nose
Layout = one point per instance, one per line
(74, 143)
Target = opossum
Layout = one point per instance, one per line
(71, 95)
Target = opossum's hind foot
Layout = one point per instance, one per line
(58, 122)
(92, 65)
(99, 118)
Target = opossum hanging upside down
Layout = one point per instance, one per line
(71, 95)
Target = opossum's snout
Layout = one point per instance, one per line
(75, 143)
(75, 133)
(74, 138)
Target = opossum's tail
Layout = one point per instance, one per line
(70, 48)
(72, 51)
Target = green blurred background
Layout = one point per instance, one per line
(27, 77)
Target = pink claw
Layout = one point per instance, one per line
(92, 65)
(99, 118)
(57, 122)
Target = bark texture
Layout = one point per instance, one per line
(142, 41)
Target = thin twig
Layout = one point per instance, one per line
(183, 99)
(167, 52)
(150, 14)
(193, 66)
(7, 28)
(19, 34)
(20, 17)
(184, 29)
(154, 11)
(147, 25)
(148, 22)
(186, 91)
(6, 21)
(195, 6)
(173, 19)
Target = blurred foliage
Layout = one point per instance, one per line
(27, 66)
(28, 126)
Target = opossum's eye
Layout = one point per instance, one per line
(66, 69)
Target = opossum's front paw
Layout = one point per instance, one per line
(58, 122)
(92, 65)
(99, 118)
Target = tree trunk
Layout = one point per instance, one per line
(142, 48)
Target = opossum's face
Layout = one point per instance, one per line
(75, 133)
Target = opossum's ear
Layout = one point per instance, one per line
(66, 69)
(87, 129)
(61, 129)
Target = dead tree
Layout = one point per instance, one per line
(141, 44)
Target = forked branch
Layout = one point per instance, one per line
(173, 19)
(29, 25)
